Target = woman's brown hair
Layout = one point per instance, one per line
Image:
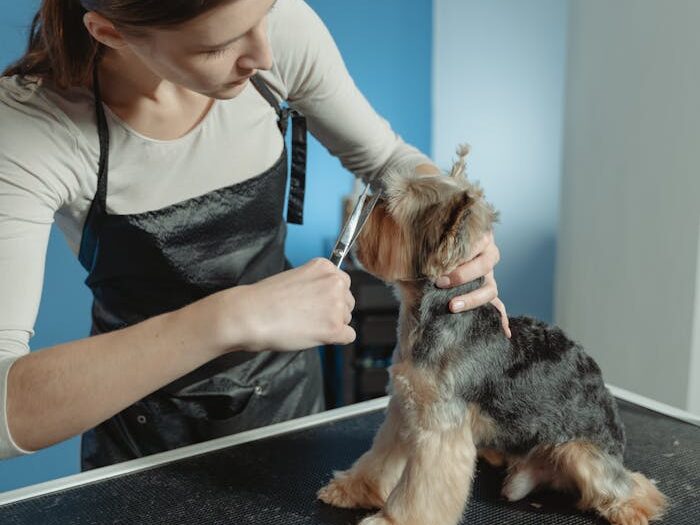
(61, 48)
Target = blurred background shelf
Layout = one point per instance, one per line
(358, 371)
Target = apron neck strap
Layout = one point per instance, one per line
(103, 134)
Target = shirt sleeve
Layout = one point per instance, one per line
(33, 149)
(12, 346)
(317, 83)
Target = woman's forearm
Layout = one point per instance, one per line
(62, 391)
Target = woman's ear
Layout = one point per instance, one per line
(103, 30)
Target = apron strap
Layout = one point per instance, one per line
(103, 134)
(98, 206)
(297, 183)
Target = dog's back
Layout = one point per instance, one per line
(539, 387)
(548, 391)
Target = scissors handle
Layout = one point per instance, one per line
(338, 255)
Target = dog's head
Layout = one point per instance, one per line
(424, 225)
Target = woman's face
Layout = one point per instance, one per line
(213, 54)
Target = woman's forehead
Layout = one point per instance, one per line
(222, 24)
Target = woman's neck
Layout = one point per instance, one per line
(124, 79)
(150, 105)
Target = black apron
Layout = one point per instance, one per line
(145, 264)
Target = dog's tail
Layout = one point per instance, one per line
(606, 486)
(644, 501)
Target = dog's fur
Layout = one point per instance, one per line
(535, 403)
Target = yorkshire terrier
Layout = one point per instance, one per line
(535, 403)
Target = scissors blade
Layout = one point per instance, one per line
(365, 215)
(352, 227)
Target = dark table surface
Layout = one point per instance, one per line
(273, 481)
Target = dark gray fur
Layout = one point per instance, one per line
(540, 387)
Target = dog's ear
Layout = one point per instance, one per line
(456, 226)
(459, 167)
(459, 210)
(443, 235)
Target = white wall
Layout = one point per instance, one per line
(498, 84)
(693, 398)
(629, 254)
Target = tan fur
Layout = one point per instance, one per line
(418, 447)
(526, 474)
(418, 386)
(459, 167)
(634, 501)
(408, 293)
(446, 461)
(483, 427)
(412, 233)
(443, 237)
(387, 260)
(493, 457)
(369, 481)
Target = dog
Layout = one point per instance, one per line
(535, 403)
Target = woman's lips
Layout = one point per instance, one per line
(239, 82)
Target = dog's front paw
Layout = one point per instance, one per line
(350, 492)
(378, 519)
(336, 494)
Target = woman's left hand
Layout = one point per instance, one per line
(481, 265)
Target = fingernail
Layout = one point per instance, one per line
(457, 306)
(443, 282)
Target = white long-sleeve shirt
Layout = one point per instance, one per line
(49, 155)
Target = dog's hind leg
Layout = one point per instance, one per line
(493, 457)
(436, 482)
(524, 476)
(374, 475)
(527, 473)
(620, 496)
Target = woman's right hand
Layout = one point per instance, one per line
(300, 308)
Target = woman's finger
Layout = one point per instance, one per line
(481, 265)
(504, 316)
(351, 303)
(487, 293)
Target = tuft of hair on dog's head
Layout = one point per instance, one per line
(424, 226)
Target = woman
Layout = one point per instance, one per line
(151, 138)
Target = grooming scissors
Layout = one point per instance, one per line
(353, 226)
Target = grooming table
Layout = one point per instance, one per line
(269, 476)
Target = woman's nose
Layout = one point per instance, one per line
(257, 54)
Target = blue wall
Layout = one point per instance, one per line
(499, 75)
(65, 305)
(387, 48)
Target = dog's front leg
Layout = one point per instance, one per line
(436, 482)
(374, 475)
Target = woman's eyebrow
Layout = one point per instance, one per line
(232, 40)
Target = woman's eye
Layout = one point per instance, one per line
(216, 52)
